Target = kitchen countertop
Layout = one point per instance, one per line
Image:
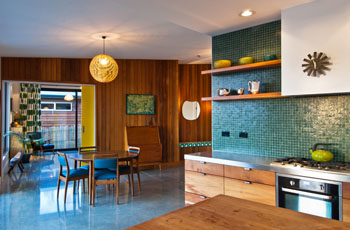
(263, 163)
(224, 212)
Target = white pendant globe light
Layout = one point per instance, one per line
(69, 97)
(103, 68)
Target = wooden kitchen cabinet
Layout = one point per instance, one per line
(203, 184)
(191, 198)
(346, 202)
(204, 167)
(346, 190)
(248, 174)
(250, 191)
(346, 210)
(204, 180)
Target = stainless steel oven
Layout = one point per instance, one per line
(312, 196)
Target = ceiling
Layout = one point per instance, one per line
(148, 29)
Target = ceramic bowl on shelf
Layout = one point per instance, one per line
(270, 57)
(245, 60)
(222, 64)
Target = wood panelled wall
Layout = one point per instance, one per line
(192, 87)
(157, 77)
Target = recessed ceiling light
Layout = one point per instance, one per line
(247, 13)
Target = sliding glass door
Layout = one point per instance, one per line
(61, 117)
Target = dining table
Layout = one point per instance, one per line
(87, 157)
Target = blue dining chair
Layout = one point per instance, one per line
(84, 165)
(68, 174)
(102, 173)
(136, 169)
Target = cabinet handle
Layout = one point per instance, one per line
(203, 174)
(203, 162)
(203, 197)
(247, 169)
(247, 182)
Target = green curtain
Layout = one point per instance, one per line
(30, 107)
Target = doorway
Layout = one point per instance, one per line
(60, 108)
(61, 117)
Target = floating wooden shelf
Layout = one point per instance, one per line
(244, 97)
(241, 68)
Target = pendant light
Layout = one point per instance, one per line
(69, 97)
(103, 68)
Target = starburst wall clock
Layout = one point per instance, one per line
(316, 64)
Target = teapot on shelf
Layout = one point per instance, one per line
(253, 87)
(224, 92)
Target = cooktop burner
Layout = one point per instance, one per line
(307, 163)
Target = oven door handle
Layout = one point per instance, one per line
(314, 195)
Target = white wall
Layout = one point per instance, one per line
(321, 26)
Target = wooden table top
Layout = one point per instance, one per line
(88, 156)
(224, 212)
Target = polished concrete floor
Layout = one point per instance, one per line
(28, 200)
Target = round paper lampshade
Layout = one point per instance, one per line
(103, 68)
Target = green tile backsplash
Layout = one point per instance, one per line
(275, 127)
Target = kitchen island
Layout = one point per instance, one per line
(224, 212)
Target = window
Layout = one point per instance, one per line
(63, 106)
(56, 106)
(50, 106)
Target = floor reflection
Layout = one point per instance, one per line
(28, 200)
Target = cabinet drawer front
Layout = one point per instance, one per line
(346, 190)
(248, 174)
(203, 184)
(250, 191)
(191, 198)
(204, 167)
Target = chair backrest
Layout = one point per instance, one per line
(87, 149)
(105, 161)
(34, 135)
(62, 159)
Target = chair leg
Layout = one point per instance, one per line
(20, 168)
(58, 187)
(11, 167)
(74, 187)
(107, 187)
(132, 184)
(129, 180)
(78, 183)
(93, 193)
(65, 191)
(83, 185)
(117, 192)
(138, 180)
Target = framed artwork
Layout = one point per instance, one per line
(139, 104)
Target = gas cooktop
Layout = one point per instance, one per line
(292, 162)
